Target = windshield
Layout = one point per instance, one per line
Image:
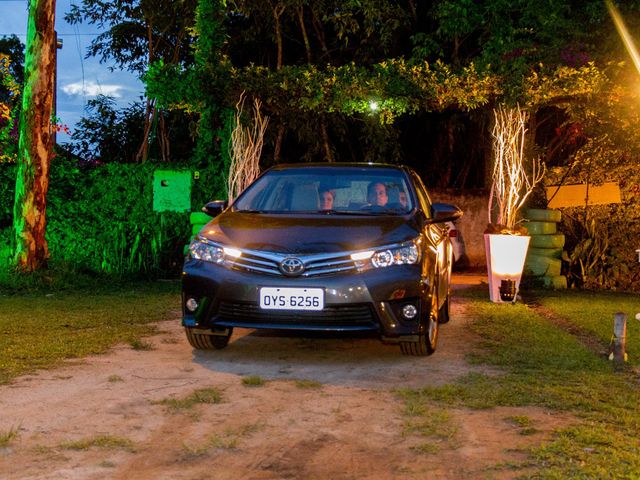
(329, 190)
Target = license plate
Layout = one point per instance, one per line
(283, 298)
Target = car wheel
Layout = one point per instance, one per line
(428, 339)
(202, 341)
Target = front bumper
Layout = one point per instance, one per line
(362, 301)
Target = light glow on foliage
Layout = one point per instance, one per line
(624, 33)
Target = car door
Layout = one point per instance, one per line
(438, 235)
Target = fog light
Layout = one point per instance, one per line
(191, 304)
(409, 311)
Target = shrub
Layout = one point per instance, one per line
(100, 217)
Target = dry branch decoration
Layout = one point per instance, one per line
(511, 184)
(245, 148)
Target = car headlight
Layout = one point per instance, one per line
(405, 254)
(206, 251)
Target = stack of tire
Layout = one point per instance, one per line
(197, 221)
(544, 258)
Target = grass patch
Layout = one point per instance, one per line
(140, 344)
(9, 436)
(107, 442)
(597, 319)
(253, 381)
(308, 384)
(208, 396)
(228, 440)
(115, 378)
(432, 422)
(41, 331)
(521, 421)
(426, 448)
(547, 367)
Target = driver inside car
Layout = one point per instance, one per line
(377, 194)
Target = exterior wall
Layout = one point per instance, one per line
(472, 224)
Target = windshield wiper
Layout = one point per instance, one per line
(353, 212)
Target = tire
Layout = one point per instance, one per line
(541, 228)
(201, 341)
(542, 266)
(543, 215)
(558, 282)
(547, 241)
(427, 340)
(546, 252)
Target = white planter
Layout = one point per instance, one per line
(505, 260)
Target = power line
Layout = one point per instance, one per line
(59, 34)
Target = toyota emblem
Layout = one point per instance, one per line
(292, 266)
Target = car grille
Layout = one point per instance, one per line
(358, 315)
(314, 265)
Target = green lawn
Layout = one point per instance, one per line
(594, 312)
(40, 330)
(546, 366)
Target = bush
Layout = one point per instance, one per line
(100, 218)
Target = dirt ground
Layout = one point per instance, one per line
(347, 424)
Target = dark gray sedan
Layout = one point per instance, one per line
(323, 247)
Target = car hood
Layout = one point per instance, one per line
(301, 234)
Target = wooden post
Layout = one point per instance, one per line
(619, 337)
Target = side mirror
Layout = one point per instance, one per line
(215, 208)
(444, 212)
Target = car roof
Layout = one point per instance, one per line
(286, 166)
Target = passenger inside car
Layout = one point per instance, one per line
(326, 199)
(377, 194)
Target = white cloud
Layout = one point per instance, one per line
(91, 89)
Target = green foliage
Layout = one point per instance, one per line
(602, 131)
(253, 381)
(210, 396)
(136, 31)
(106, 134)
(100, 218)
(9, 108)
(396, 85)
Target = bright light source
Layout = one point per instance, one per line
(373, 105)
(192, 304)
(361, 255)
(508, 253)
(624, 33)
(409, 311)
(232, 252)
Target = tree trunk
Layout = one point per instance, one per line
(143, 151)
(317, 26)
(303, 29)
(278, 10)
(277, 149)
(35, 143)
(325, 140)
(149, 115)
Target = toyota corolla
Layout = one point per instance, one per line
(323, 247)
